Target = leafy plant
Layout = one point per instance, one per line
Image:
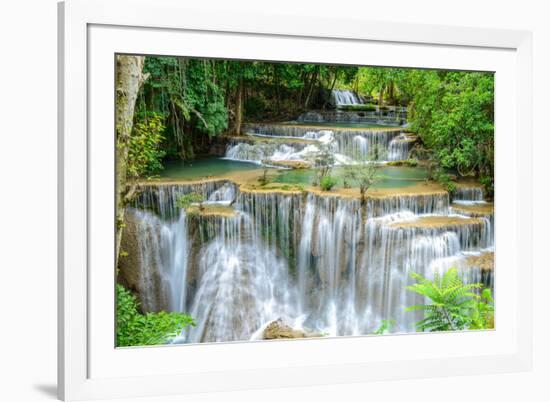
(323, 160)
(483, 316)
(327, 183)
(363, 175)
(264, 179)
(185, 201)
(445, 180)
(144, 151)
(385, 327)
(453, 304)
(136, 329)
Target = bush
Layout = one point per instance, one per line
(327, 183)
(445, 180)
(136, 329)
(184, 201)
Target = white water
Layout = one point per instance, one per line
(344, 97)
(348, 146)
(468, 195)
(318, 262)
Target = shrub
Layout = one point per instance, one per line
(327, 183)
(264, 178)
(445, 180)
(364, 175)
(186, 200)
(136, 329)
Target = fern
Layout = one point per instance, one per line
(385, 327)
(453, 305)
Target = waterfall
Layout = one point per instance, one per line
(164, 249)
(263, 152)
(346, 114)
(399, 148)
(357, 144)
(162, 198)
(464, 194)
(419, 204)
(345, 97)
(242, 284)
(325, 262)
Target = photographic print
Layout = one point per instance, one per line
(264, 200)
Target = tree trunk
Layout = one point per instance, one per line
(331, 89)
(381, 97)
(239, 107)
(391, 93)
(129, 78)
(311, 86)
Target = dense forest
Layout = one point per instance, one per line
(434, 127)
(184, 103)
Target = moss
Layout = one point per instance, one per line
(475, 210)
(436, 222)
(485, 261)
(248, 182)
(468, 182)
(212, 210)
(289, 164)
(406, 162)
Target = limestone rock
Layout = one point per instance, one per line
(279, 330)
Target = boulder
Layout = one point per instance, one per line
(278, 329)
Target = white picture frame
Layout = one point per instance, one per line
(91, 32)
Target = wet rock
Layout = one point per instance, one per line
(278, 329)
(485, 261)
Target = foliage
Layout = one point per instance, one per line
(444, 179)
(136, 329)
(190, 96)
(483, 315)
(453, 304)
(323, 160)
(369, 107)
(385, 327)
(327, 182)
(264, 179)
(144, 152)
(184, 201)
(364, 175)
(453, 112)
(255, 107)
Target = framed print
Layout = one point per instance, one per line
(283, 204)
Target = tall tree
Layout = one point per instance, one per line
(129, 78)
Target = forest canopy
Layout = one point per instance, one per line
(186, 102)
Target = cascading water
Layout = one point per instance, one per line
(464, 194)
(399, 148)
(348, 145)
(325, 262)
(344, 97)
(242, 284)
